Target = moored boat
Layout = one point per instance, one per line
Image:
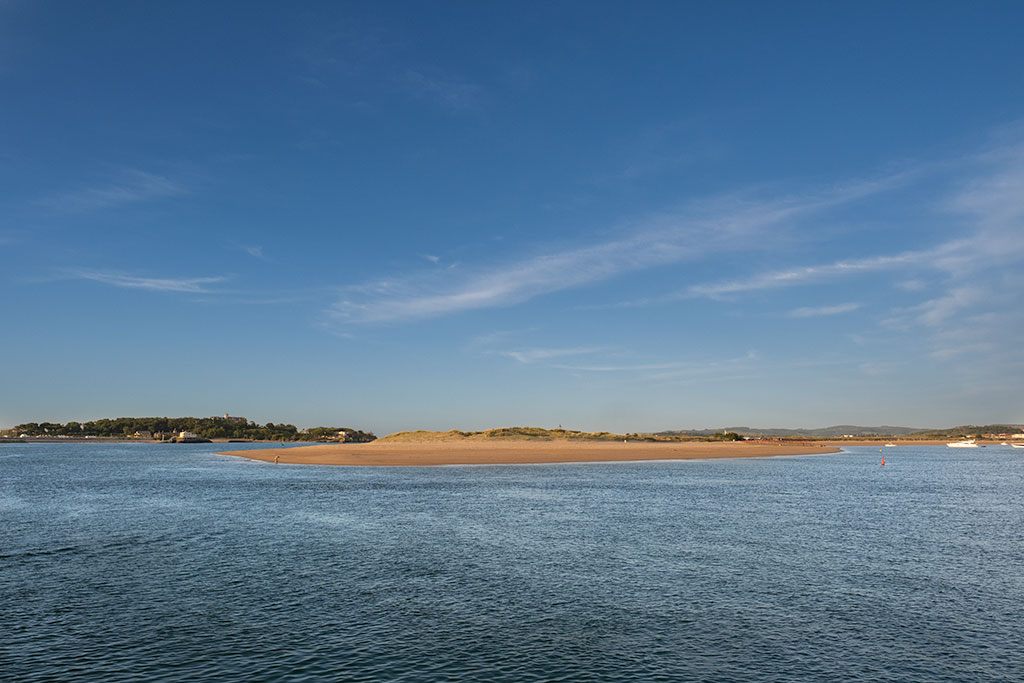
(969, 443)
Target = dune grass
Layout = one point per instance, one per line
(518, 434)
(504, 433)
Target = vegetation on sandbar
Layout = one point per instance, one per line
(542, 434)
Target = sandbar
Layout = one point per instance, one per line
(520, 452)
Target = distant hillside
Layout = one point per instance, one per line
(821, 433)
(838, 431)
(969, 430)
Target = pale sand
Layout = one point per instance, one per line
(882, 442)
(519, 452)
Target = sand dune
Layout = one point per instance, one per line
(518, 452)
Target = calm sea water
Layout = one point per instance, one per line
(154, 562)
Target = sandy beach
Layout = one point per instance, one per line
(518, 452)
(894, 441)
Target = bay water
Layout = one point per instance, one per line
(127, 562)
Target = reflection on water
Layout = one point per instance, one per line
(174, 563)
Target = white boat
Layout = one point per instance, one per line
(1017, 445)
(890, 445)
(963, 444)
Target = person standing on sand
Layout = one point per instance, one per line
(277, 458)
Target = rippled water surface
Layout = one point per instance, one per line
(170, 562)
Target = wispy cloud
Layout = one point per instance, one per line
(349, 50)
(986, 189)
(951, 352)
(791, 277)
(255, 250)
(972, 313)
(873, 369)
(195, 285)
(912, 285)
(366, 57)
(814, 311)
(533, 355)
(668, 370)
(444, 90)
(609, 360)
(674, 238)
(969, 281)
(130, 187)
(956, 258)
(491, 339)
(655, 151)
(716, 367)
(941, 309)
(624, 367)
(955, 289)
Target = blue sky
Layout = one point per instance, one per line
(435, 215)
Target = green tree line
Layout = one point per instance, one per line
(207, 427)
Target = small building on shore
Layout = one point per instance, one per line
(189, 437)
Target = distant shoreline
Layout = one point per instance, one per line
(520, 452)
(112, 439)
(380, 444)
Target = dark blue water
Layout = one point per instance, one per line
(154, 562)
